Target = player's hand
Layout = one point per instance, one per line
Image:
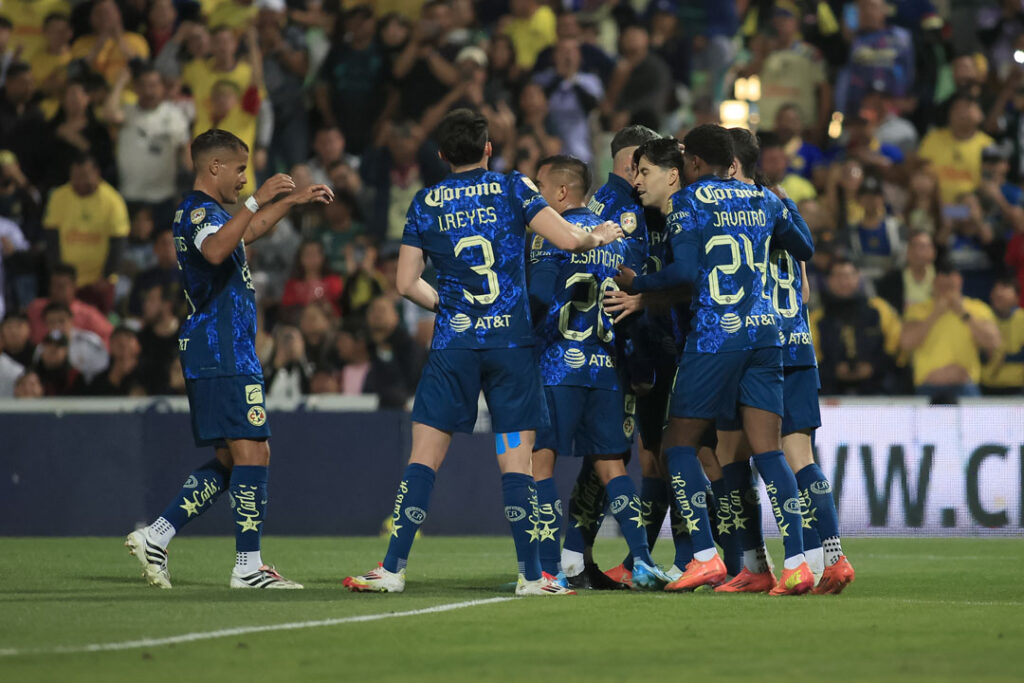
(314, 193)
(608, 232)
(279, 183)
(625, 278)
(622, 304)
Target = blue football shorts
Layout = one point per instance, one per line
(585, 421)
(450, 386)
(712, 386)
(227, 408)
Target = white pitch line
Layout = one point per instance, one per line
(243, 630)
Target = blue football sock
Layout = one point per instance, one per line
(198, 494)
(654, 499)
(689, 485)
(549, 525)
(411, 505)
(780, 483)
(586, 509)
(520, 498)
(680, 539)
(816, 493)
(249, 504)
(745, 504)
(629, 513)
(728, 536)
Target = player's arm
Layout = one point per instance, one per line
(792, 232)
(410, 282)
(541, 286)
(267, 217)
(683, 228)
(551, 226)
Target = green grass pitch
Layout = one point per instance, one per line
(924, 609)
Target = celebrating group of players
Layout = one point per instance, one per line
(671, 305)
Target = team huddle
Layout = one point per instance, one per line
(669, 309)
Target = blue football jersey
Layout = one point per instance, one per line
(616, 201)
(472, 225)
(575, 335)
(788, 299)
(722, 232)
(218, 336)
(665, 332)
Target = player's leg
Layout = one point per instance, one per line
(796, 446)
(653, 495)
(585, 513)
(628, 511)
(549, 510)
(718, 504)
(248, 490)
(446, 402)
(512, 388)
(733, 453)
(197, 495)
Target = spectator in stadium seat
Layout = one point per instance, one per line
(311, 280)
(805, 159)
(361, 372)
(344, 227)
(56, 374)
(86, 351)
(152, 137)
(16, 337)
(973, 245)
(391, 343)
(75, 131)
(593, 59)
(328, 149)
(572, 94)
(890, 129)
(86, 224)
(923, 209)
(881, 57)
(856, 337)
(22, 124)
(109, 48)
(640, 85)
(50, 63)
(158, 338)
(1003, 373)
(28, 385)
(955, 151)
(285, 64)
(10, 371)
(792, 74)
(63, 281)
(946, 337)
(289, 371)
(123, 377)
(775, 166)
(912, 283)
(877, 239)
(163, 273)
(12, 241)
(350, 85)
(532, 27)
(317, 330)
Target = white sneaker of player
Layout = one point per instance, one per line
(264, 577)
(541, 586)
(377, 580)
(816, 562)
(152, 557)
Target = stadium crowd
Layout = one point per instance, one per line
(896, 128)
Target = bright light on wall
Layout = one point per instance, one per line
(734, 113)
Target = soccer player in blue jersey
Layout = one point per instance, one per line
(578, 362)
(721, 231)
(800, 418)
(472, 225)
(223, 376)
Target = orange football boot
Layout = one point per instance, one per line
(621, 575)
(794, 581)
(749, 582)
(698, 574)
(835, 578)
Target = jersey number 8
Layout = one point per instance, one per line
(595, 297)
(784, 278)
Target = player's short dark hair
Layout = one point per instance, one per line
(632, 136)
(662, 152)
(56, 307)
(461, 136)
(66, 270)
(711, 143)
(55, 16)
(570, 166)
(216, 139)
(747, 150)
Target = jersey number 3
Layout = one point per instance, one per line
(487, 252)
